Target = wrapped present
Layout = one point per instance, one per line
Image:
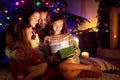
(66, 52)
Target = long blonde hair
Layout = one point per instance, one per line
(21, 35)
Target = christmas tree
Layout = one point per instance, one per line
(11, 11)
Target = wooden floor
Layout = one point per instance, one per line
(111, 55)
(5, 74)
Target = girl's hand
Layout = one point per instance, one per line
(77, 52)
(53, 59)
(56, 59)
(20, 54)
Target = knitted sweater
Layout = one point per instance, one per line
(54, 43)
(35, 43)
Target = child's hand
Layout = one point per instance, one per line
(56, 59)
(77, 52)
(20, 54)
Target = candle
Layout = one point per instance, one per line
(85, 54)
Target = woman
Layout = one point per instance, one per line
(59, 39)
(35, 69)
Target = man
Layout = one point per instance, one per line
(42, 26)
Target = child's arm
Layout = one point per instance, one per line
(77, 52)
(77, 49)
(10, 53)
(16, 53)
(47, 49)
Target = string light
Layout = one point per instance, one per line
(8, 18)
(58, 3)
(17, 3)
(47, 3)
(20, 18)
(37, 3)
(54, 10)
(106, 30)
(80, 32)
(14, 8)
(6, 11)
(0, 24)
(58, 9)
(22, 1)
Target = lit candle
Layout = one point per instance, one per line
(85, 54)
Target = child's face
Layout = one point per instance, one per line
(34, 19)
(57, 26)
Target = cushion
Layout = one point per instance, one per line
(52, 73)
(85, 73)
(105, 65)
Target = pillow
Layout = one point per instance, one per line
(52, 73)
(105, 65)
(87, 74)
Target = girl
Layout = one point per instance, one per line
(25, 37)
(59, 39)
